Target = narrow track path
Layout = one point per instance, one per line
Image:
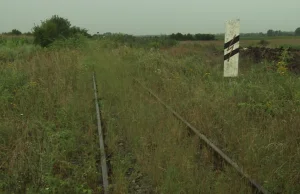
(101, 142)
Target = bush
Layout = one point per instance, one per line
(297, 32)
(76, 41)
(28, 33)
(263, 42)
(55, 28)
(184, 37)
(13, 32)
(16, 32)
(76, 30)
(141, 41)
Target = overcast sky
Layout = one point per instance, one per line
(142, 17)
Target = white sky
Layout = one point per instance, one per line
(142, 17)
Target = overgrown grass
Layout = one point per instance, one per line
(48, 141)
(262, 37)
(254, 118)
(15, 40)
(274, 42)
(137, 42)
(13, 48)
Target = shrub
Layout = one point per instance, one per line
(263, 42)
(184, 37)
(76, 30)
(16, 32)
(50, 30)
(76, 41)
(55, 28)
(297, 32)
(140, 41)
(28, 33)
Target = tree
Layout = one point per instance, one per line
(76, 30)
(297, 32)
(16, 32)
(189, 37)
(28, 33)
(51, 30)
(270, 32)
(204, 37)
(55, 28)
(179, 36)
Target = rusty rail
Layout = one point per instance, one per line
(101, 142)
(258, 188)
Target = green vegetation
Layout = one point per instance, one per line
(48, 136)
(270, 34)
(48, 142)
(13, 48)
(55, 28)
(14, 32)
(279, 33)
(263, 42)
(253, 118)
(184, 37)
(297, 32)
(118, 39)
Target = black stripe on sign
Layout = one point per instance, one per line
(232, 42)
(232, 53)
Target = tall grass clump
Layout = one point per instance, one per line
(47, 138)
(131, 41)
(14, 48)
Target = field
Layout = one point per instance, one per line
(274, 42)
(48, 134)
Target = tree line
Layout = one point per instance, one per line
(184, 37)
(191, 37)
(271, 32)
(60, 28)
(16, 32)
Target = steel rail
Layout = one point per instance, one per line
(101, 142)
(258, 188)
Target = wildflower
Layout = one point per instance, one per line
(207, 74)
(32, 84)
(282, 70)
(158, 71)
(282, 64)
(269, 104)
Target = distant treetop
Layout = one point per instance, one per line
(297, 32)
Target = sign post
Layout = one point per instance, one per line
(231, 48)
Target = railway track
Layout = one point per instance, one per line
(257, 188)
(104, 169)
